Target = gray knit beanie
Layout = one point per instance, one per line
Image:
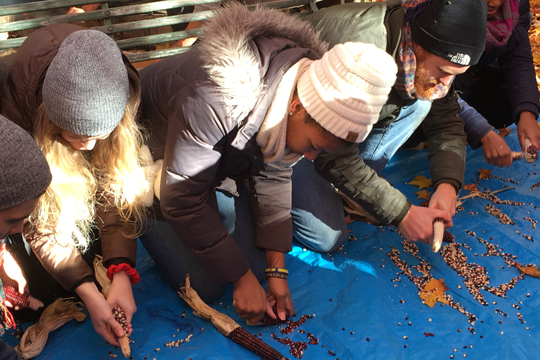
(86, 87)
(24, 172)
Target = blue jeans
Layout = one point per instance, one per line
(382, 143)
(318, 223)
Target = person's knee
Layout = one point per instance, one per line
(327, 240)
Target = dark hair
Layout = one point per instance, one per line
(312, 122)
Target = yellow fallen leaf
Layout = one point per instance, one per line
(529, 270)
(484, 174)
(421, 181)
(505, 131)
(423, 194)
(434, 292)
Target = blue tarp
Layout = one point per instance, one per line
(353, 297)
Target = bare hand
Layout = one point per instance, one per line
(496, 150)
(74, 10)
(100, 312)
(121, 294)
(249, 298)
(527, 128)
(278, 294)
(445, 198)
(418, 223)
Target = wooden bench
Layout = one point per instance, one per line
(144, 15)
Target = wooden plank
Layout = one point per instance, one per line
(55, 4)
(158, 54)
(152, 23)
(98, 14)
(158, 39)
(11, 43)
(283, 4)
(44, 5)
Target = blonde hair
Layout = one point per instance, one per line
(109, 175)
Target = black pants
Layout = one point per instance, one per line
(484, 89)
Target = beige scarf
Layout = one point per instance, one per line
(272, 136)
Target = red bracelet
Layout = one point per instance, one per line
(132, 273)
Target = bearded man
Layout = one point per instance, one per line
(431, 41)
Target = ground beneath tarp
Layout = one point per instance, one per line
(353, 297)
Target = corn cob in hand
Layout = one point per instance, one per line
(22, 301)
(531, 152)
(438, 233)
(120, 317)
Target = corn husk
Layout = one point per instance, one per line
(356, 211)
(222, 322)
(226, 325)
(55, 315)
(101, 275)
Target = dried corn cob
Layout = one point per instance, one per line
(23, 301)
(226, 325)
(448, 237)
(254, 344)
(120, 317)
(517, 155)
(16, 298)
(438, 233)
(267, 320)
(531, 152)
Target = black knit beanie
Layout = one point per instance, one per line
(24, 172)
(452, 29)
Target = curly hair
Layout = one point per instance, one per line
(110, 175)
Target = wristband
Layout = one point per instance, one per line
(277, 273)
(132, 273)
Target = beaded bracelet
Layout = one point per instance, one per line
(276, 272)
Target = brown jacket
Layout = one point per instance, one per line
(21, 80)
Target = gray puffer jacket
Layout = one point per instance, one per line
(204, 109)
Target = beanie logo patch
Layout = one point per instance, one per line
(351, 136)
(460, 59)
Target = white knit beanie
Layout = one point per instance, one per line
(345, 90)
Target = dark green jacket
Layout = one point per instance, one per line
(380, 23)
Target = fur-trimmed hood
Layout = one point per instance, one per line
(231, 62)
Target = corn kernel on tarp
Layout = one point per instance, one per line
(353, 297)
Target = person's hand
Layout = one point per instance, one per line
(445, 198)
(121, 294)
(249, 298)
(74, 10)
(278, 294)
(417, 225)
(527, 128)
(496, 150)
(13, 271)
(100, 312)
